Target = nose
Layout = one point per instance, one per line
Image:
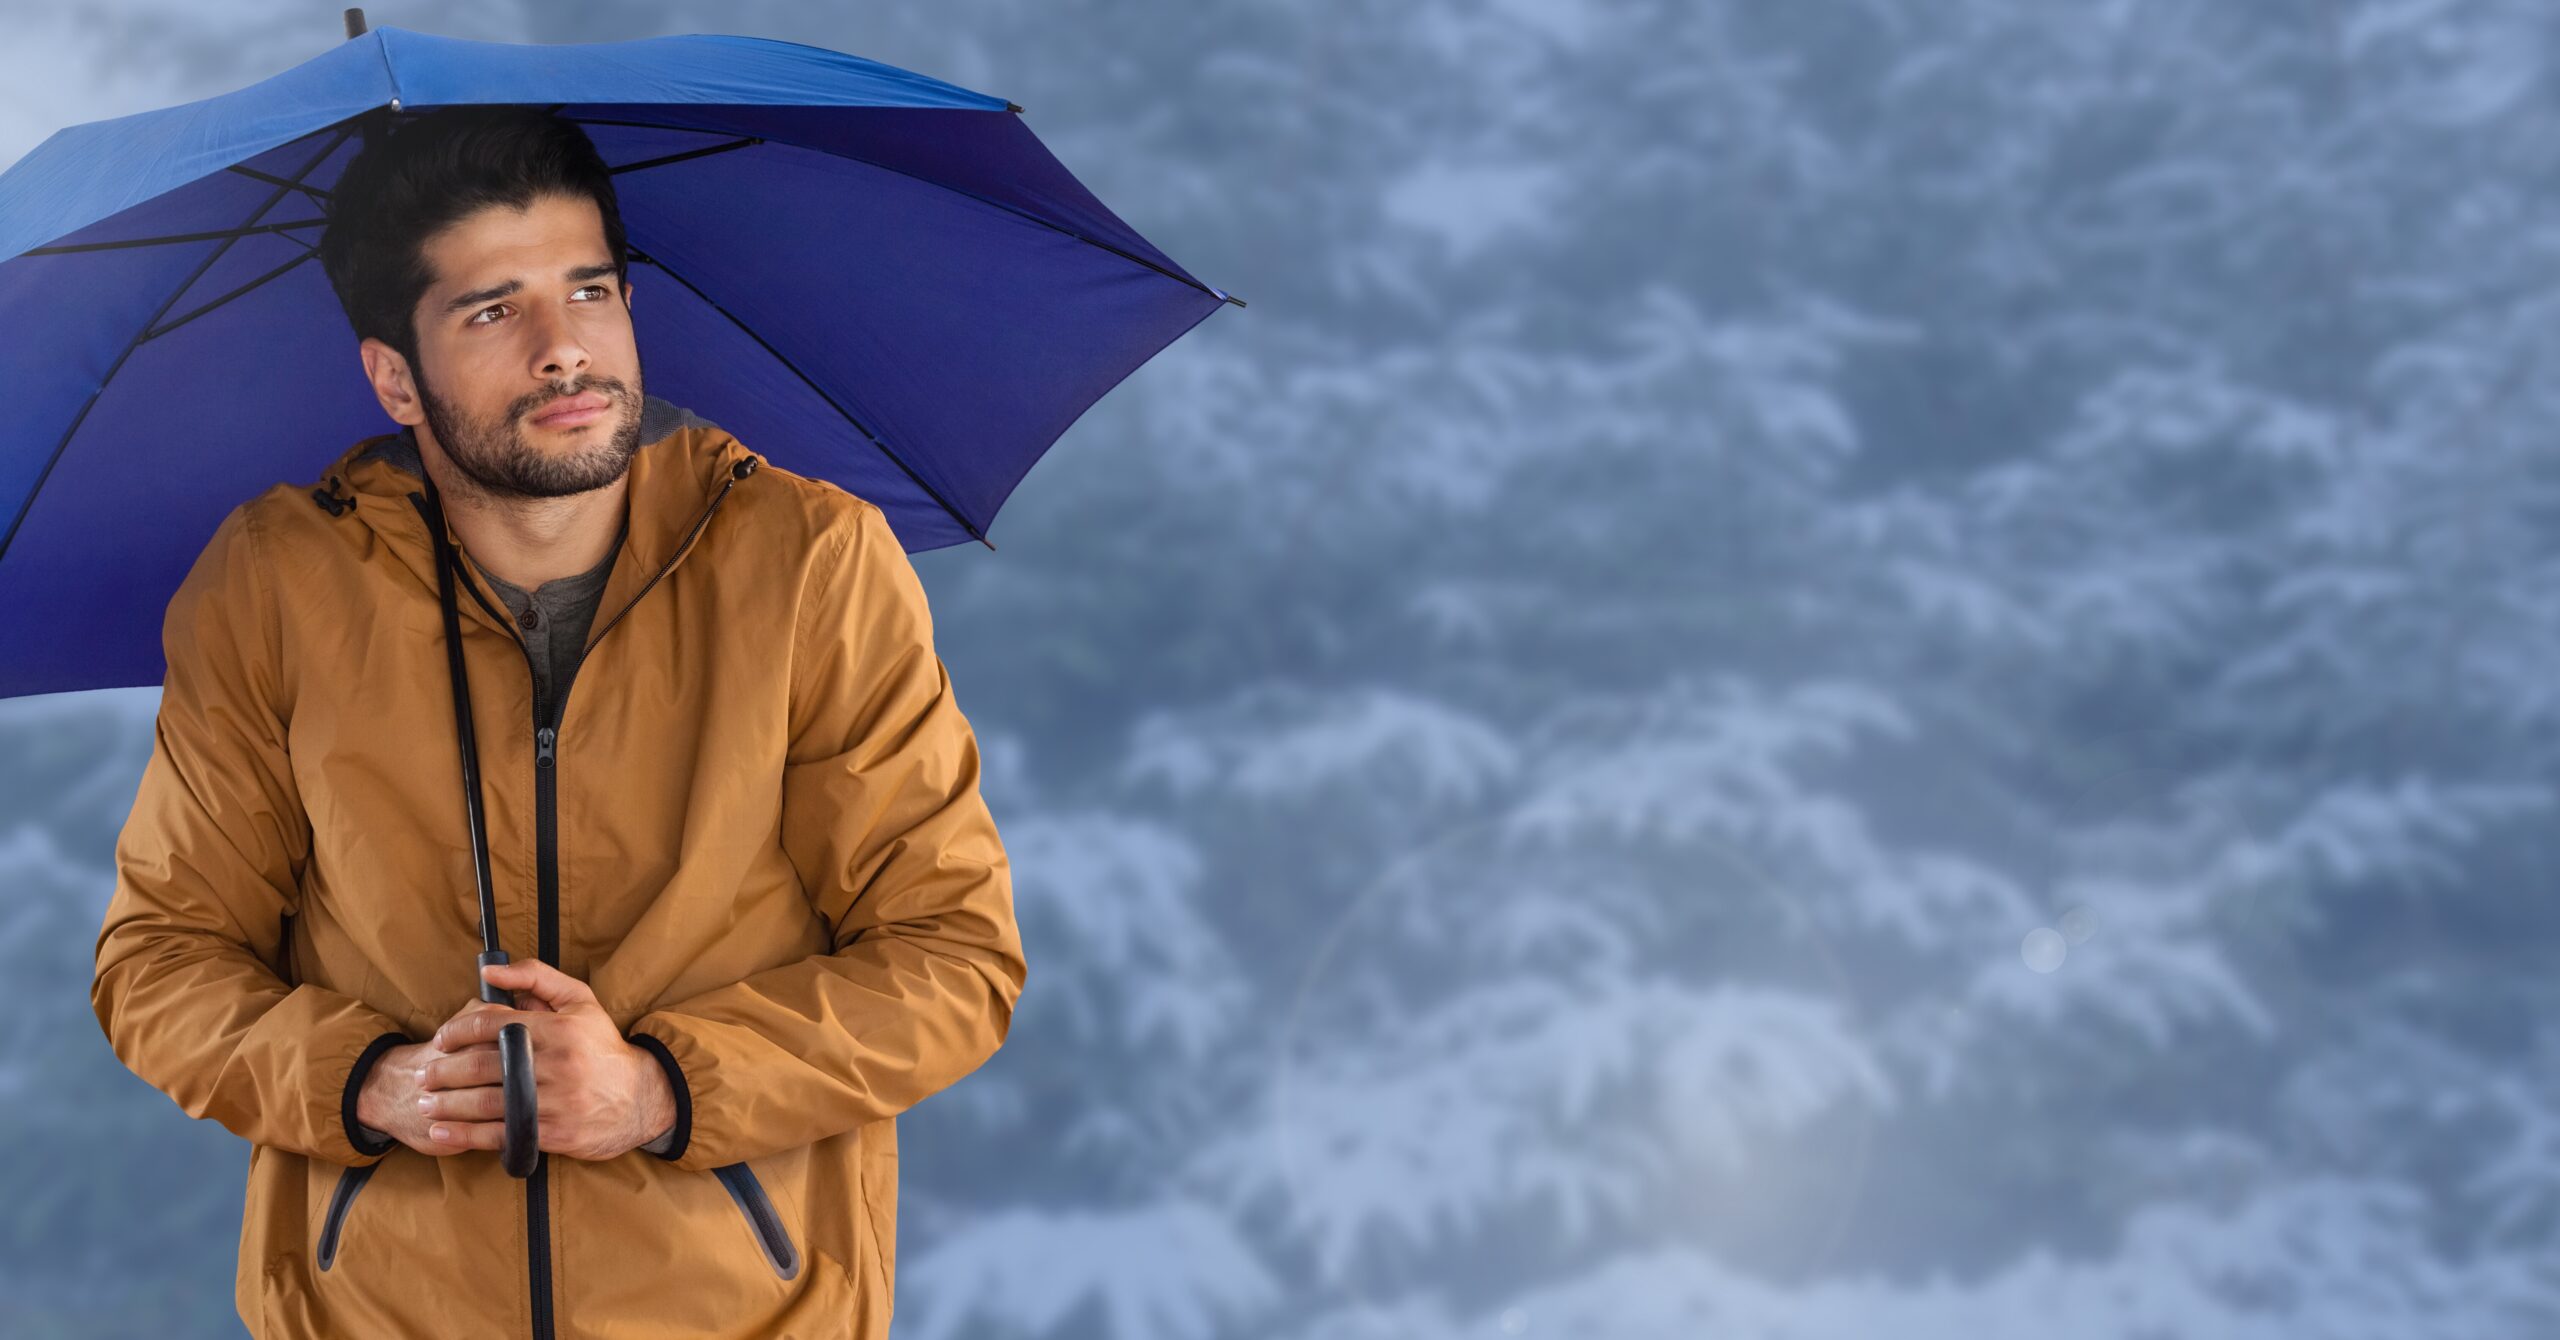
(557, 353)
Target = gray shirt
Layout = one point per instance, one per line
(554, 618)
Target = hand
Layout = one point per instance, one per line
(388, 1102)
(597, 1095)
(399, 1097)
(402, 1075)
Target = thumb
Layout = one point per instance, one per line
(554, 988)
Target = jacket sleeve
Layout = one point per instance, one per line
(188, 962)
(882, 819)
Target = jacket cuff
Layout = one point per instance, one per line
(683, 1133)
(365, 1144)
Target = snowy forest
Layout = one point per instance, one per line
(1808, 671)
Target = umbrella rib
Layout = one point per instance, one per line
(157, 331)
(245, 230)
(318, 195)
(971, 195)
(814, 389)
(36, 489)
(665, 159)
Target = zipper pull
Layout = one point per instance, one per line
(543, 739)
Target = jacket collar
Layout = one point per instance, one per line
(683, 465)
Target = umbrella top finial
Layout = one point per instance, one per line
(355, 24)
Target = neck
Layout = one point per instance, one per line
(527, 541)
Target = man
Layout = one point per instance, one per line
(755, 902)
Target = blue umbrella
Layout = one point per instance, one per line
(872, 277)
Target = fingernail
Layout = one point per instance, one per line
(425, 1102)
(438, 1132)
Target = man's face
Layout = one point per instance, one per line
(524, 315)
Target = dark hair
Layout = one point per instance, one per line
(429, 174)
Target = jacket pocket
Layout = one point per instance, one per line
(771, 1237)
(349, 1183)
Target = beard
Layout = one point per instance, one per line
(494, 455)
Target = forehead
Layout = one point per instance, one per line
(501, 242)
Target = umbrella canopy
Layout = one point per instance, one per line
(870, 276)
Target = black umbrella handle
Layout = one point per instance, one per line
(521, 1150)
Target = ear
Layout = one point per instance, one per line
(392, 383)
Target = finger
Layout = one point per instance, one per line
(517, 1000)
(440, 1148)
(482, 1025)
(474, 1065)
(425, 1072)
(474, 1007)
(478, 1023)
(531, 1003)
(469, 1134)
(556, 988)
(486, 1102)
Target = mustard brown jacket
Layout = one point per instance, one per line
(754, 829)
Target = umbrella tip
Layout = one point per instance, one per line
(355, 24)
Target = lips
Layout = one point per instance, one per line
(574, 409)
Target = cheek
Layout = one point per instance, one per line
(464, 369)
(621, 361)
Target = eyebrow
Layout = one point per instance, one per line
(474, 298)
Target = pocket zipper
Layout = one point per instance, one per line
(770, 1235)
(349, 1183)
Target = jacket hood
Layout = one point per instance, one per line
(683, 465)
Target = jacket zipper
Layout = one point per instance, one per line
(770, 1234)
(546, 844)
(349, 1183)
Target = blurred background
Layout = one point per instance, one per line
(1838, 669)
